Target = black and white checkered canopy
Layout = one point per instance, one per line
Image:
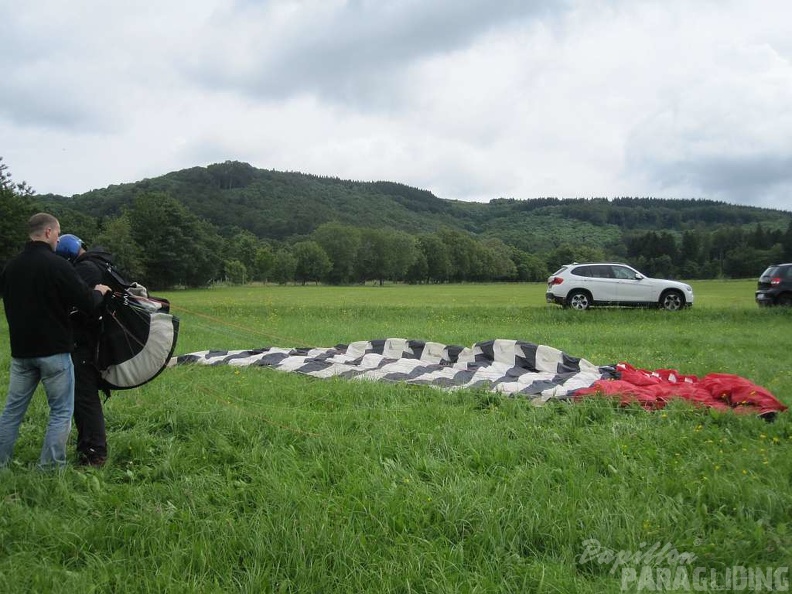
(509, 366)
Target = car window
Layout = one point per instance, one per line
(582, 271)
(622, 272)
(602, 271)
(782, 271)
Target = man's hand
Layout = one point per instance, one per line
(103, 289)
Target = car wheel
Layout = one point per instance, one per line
(672, 301)
(578, 300)
(785, 299)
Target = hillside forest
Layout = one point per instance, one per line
(233, 223)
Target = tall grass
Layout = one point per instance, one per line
(252, 480)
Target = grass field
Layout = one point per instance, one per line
(252, 480)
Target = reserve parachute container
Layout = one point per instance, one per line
(137, 340)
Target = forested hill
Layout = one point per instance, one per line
(222, 215)
(279, 205)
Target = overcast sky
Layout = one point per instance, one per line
(470, 99)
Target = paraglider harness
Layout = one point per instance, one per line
(136, 332)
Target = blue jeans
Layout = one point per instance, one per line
(56, 372)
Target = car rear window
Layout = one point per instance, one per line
(782, 271)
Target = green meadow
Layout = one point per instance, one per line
(252, 480)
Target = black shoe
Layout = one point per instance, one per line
(91, 459)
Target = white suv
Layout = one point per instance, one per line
(581, 286)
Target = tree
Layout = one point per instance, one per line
(659, 266)
(749, 262)
(6, 183)
(566, 253)
(235, 272)
(760, 239)
(116, 236)
(264, 261)
(385, 254)
(313, 262)
(692, 247)
(178, 248)
(438, 260)
(403, 250)
(341, 244)
(16, 207)
(231, 174)
(502, 267)
(644, 249)
(724, 240)
(243, 246)
(284, 266)
(529, 268)
(786, 243)
(419, 269)
(461, 249)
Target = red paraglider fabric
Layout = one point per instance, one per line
(654, 389)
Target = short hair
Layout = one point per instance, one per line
(39, 222)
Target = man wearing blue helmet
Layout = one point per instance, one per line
(69, 247)
(38, 290)
(88, 413)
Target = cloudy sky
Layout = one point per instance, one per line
(470, 99)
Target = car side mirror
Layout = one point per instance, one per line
(639, 277)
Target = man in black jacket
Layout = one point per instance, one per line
(39, 289)
(88, 413)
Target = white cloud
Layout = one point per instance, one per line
(726, 135)
(354, 52)
(472, 100)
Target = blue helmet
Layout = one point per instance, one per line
(69, 246)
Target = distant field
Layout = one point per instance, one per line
(724, 331)
(252, 480)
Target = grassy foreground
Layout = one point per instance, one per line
(253, 480)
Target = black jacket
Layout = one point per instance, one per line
(91, 266)
(39, 289)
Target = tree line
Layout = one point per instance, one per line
(163, 243)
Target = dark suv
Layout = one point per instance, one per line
(775, 285)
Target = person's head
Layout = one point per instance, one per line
(44, 227)
(70, 246)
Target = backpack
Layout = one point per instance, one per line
(137, 334)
